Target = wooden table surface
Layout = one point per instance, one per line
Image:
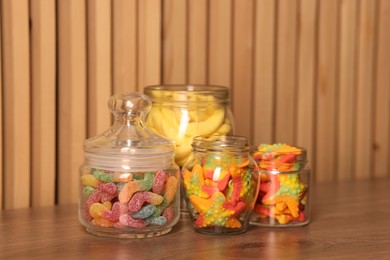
(349, 220)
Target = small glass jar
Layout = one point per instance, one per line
(181, 112)
(129, 183)
(283, 199)
(220, 184)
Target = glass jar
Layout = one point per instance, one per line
(283, 198)
(220, 184)
(129, 183)
(181, 112)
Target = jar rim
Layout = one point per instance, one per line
(219, 92)
(228, 143)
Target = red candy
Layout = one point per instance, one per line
(127, 220)
(141, 197)
(159, 181)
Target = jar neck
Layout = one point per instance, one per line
(229, 145)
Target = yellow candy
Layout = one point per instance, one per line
(89, 180)
(97, 209)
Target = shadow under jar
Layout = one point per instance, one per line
(220, 184)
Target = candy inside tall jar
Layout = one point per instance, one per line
(181, 112)
(129, 183)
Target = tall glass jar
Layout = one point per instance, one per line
(283, 199)
(181, 112)
(129, 183)
(220, 184)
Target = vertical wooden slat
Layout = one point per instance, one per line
(347, 90)
(382, 97)
(16, 79)
(365, 87)
(286, 71)
(305, 97)
(124, 45)
(72, 103)
(243, 66)
(99, 65)
(264, 80)
(197, 41)
(220, 42)
(43, 87)
(174, 41)
(149, 43)
(325, 150)
(1, 112)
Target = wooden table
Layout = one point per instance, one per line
(349, 220)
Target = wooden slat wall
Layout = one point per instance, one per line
(313, 73)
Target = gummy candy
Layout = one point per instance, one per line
(145, 212)
(159, 181)
(157, 221)
(128, 221)
(141, 197)
(133, 186)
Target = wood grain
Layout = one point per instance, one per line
(347, 88)
(1, 117)
(43, 99)
(197, 48)
(72, 106)
(220, 42)
(16, 80)
(285, 108)
(174, 42)
(264, 72)
(365, 89)
(149, 43)
(124, 45)
(306, 75)
(331, 234)
(325, 145)
(99, 66)
(382, 105)
(242, 82)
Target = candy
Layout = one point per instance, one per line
(159, 181)
(282, 194)
(127, 221)
(159, 221)
(90, 180)
(194, 181)
(169, 213)
(145, 212)
(141, 197)
(183, 124)
(212, 211)
(96, 210)
(117, 210)
(103, 176)
(171, 188)
(133, 186)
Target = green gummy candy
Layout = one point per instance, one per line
(100, 175)
(159, 221)
(88, 190)
(147, 182)
(145, 212)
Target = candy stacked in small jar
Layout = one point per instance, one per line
(283, 198)
(220, 184)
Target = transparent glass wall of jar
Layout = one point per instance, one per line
(220, 184)
(181, 112)
(283, 199)
(129, 183)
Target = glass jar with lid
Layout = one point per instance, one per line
(181, 112)
(220, 184)
(283, 199)
(129, 182)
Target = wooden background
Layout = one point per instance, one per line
(313, 73)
